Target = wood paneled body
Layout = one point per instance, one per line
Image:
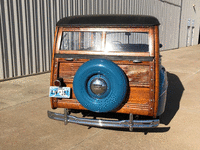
(137, 101)
(138, 74)
(142, 97)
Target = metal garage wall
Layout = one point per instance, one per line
(189, 30)
(27, 30)
(27, 27)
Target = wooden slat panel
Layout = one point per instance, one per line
(68, 70)
(138, 101)
(137, 74)
(135, 108)
(138, 95)
(69, 66)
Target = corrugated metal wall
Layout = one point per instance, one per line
(27, 27)
(189, 30)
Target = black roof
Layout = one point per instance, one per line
(108, 20)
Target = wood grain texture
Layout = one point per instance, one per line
(142, 96)
(138, 75)
(110, 29)
(52, 64)
(103, 53)
(135, 95)
(157, 71)
(139, 82)
(135, 108)
(151, 42)
(151, 88)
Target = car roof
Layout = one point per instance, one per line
(108, 20)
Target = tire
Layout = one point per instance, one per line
(114, 78)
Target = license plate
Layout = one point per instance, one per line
(59, 92)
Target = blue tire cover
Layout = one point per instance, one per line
(113, 75)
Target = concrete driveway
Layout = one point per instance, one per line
(24, 123)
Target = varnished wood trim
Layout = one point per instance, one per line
(151, 42)
(134, 108)
(104, 30)
(53, 54)
(151, 88)
(157, 53)
(118, 62)
(140, 109)
(56, 69)
(113, 29)
(58, 41)
(131, 58)
(104, 53)
(52, 63)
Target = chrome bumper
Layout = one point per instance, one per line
(104, 123)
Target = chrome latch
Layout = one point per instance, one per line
(137, 61)
(69, 59)
(66, 112)
(131, 122)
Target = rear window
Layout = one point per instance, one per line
(127, 41)
(81, 40)
(114, 41)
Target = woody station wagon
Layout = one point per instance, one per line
(108, 64)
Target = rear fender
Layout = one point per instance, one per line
(162, 91)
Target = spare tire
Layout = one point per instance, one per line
(100, 85)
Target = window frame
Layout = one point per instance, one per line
(149, 30)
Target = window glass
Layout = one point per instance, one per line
(115, 41)
(81, 41)
(127, 41)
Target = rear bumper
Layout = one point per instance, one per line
(104, 123)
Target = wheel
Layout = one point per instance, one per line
(100, 85)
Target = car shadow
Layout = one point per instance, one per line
(144, 130)
(174, 94)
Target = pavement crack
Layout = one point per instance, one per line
(188, 77)
(85, 139)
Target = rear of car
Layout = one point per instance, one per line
(108, 64)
